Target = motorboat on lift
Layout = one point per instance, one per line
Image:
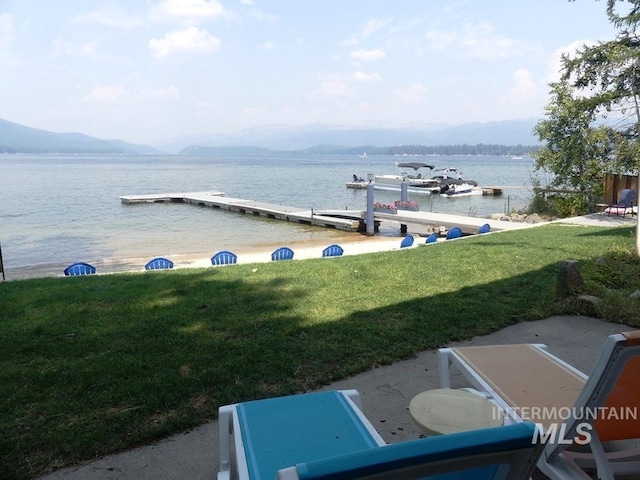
(452, 176)
(455, 190)
(417, 182)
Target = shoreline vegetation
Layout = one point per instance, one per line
(97, 364)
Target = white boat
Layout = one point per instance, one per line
(417, 182)
(357, 182)
(455, 190)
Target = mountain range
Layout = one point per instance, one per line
(16, 138)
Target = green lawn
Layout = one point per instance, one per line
(92, 365)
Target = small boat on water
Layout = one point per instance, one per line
(417, 182)
(455, 190)
(357, 182)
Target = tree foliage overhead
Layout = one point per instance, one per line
(592, 123)
(593, 118)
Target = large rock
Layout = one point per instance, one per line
(570, 279)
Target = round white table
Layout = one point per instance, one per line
(448, 410)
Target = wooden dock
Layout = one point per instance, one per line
(347, 220)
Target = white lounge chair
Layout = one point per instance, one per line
(570, 408)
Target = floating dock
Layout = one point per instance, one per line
(347, 220)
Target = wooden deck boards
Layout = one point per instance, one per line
(347, 220)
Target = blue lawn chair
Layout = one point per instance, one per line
(432, 238)
(455, 232)
(486, 228)
(325, 435)
(282, 253)
(158, 263)
(224, 257)
(333, 251)
(79, 268)
(406, 241)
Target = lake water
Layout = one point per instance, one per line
(59, 209)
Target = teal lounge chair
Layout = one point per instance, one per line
(325, 435)
(158, 263)
(224, 257)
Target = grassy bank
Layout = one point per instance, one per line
(92, 365)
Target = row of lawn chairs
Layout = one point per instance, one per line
(453, 233)
(226, 257)
(223, 257)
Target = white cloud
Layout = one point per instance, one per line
(254, 110)
(62, 48)
(262, 15)
(524, 87)
(268, 45)
(334, 88)
(414, 94)
(190, 40)
(107, 93)
(476, 41)
(6, 29)
(375, 54)
(366, 77)
(373, 26)
(555, 65)
(112, 18)
(192, 9)
(169, 93)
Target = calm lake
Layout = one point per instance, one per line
(59, 209)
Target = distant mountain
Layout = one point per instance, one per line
(16, 138)
(508, 132)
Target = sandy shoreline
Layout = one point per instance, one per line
(352, 245)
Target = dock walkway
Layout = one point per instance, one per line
(347, 220)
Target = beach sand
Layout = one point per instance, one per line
(352, 245)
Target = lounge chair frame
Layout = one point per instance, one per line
(624, 206)
(505, 453)
(535, 373)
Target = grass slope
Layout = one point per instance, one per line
(93, 365)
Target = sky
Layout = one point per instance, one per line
(148, 70)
